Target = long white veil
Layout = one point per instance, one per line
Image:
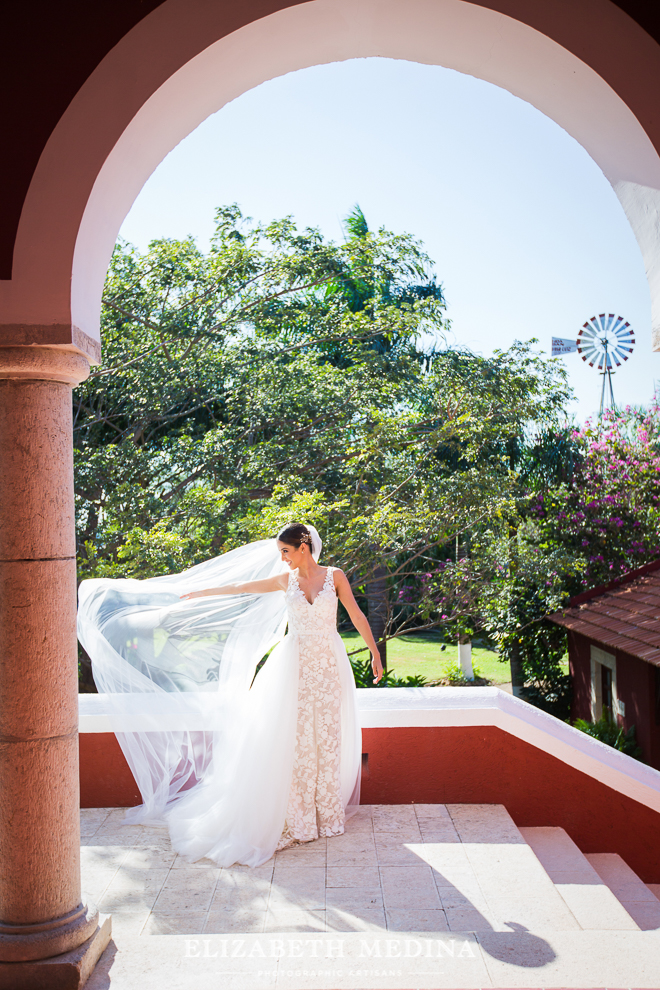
(211, 752)
(175, 672)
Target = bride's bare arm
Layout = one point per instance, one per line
(359, 620)
(277, 583)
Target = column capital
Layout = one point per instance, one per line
(36, 363)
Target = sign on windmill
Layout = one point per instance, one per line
(603, 340)
(562, 346)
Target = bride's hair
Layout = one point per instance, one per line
(294, 535)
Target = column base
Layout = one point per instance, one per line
(69, 971)
(48, 939)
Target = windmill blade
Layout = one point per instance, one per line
(624, 332)
(587, 333)
(605, 341)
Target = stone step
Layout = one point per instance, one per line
(379, 961)
(592, 902)
(639, 901)
(507, 888)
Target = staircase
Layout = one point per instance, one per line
(411, 896)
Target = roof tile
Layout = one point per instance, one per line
(625, 618)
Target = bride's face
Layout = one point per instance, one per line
(290, 555)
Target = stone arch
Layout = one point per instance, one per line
(188, 58)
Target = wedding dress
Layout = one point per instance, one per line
(237, 765)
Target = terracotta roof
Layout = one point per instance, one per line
(624, 615)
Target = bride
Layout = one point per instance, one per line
(238, 765)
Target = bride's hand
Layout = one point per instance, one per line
(377, 667)
(193, 594)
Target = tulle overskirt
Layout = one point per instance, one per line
(211, 747)
(237, 813)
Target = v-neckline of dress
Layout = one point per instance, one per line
(320, 592)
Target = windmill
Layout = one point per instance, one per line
(602, 341)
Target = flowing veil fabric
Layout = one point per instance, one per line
(211, 747)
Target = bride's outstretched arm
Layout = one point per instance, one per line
(359, 620)
(276, 583)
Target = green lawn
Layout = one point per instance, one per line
(422, 653)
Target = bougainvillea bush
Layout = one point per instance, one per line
(589, 513)
(608, 513)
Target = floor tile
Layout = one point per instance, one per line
(437, 812)
(149, 858)
(294, 921)
(187, 923)
(179, 900)
(91, 820)
(470, 898)
(362, 920)
(100, 855)
(354, 898)
(431, 920)
(396, 815)
(469, 919)
(409, 887)
(239, 921)
(349, 857)
(394, 852)
(438, 835)
(202, 864)
(129, 922)
(352, 876)
(441, 855)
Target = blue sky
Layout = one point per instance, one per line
(527, 235)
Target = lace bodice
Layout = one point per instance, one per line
(317, 619)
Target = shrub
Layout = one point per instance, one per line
(552, 694)
(453, 672)
(364, 677)
(611, 734)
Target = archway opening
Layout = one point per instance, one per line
(528, 236)
(113, 135)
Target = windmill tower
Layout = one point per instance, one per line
(603, 341)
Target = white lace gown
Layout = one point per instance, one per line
(293, 772)
(315, 805)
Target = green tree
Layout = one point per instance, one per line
(279, 376)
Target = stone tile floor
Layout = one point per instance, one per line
(397, 868)
(412, 896)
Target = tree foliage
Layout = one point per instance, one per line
(280, 376)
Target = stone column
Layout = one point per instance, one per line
(41, 911)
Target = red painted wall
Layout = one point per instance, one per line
(635, 686)
(485, 765)
(579, 662)
(105, 778)
(453, 765)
